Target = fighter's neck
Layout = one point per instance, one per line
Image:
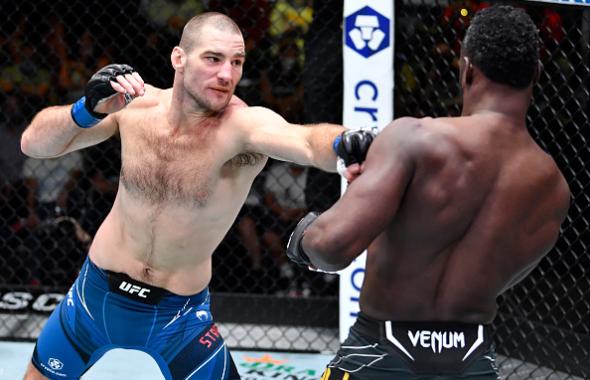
(512, 104)
(183, 111)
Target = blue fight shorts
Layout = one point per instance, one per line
(105, 310)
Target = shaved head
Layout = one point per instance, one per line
(193, 29)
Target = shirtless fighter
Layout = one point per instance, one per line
(189, 156)
(453, 211)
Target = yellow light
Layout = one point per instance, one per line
(464, 12)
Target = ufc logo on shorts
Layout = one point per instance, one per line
(132, 289)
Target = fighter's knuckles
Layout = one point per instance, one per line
(353, 145)
(105, 83)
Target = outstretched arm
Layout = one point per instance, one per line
(333, 239)
(266, 132)
(57, 130)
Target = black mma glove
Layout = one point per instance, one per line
(294, 249)
(352, 146)
(99, 86)
(97, 89)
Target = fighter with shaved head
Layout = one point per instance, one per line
(189, 156)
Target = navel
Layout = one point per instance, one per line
(147, 274)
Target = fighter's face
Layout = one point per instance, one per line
(214, 68)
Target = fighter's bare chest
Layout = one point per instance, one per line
(168, 168)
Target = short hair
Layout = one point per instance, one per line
(192, 30)
(503, 42)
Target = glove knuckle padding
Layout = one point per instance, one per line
(99, 86)
(354, 145)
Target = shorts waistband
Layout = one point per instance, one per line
(122, 284)
(429, 347)
(378, 329)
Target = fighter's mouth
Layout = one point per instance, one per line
(222, 90)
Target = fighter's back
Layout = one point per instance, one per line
(482, 206)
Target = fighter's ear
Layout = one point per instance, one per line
(467, 72)
(178, 58)
(538, 71)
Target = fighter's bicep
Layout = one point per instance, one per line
(267, 132)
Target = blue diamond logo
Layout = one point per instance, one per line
(367, 31)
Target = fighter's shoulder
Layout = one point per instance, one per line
(410, 130)
(415, 136)
(554, 178)
(240, 112)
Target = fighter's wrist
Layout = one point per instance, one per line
(336, 142)
(82, 116)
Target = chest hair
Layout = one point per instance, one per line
(182, 170)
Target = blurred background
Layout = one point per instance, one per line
(50, 209)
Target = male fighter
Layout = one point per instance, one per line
(189, 156)
(452, 211)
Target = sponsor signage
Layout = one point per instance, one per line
(280, 366)
(368, 104)
(28, 300)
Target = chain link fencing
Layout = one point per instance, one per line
(50, 209)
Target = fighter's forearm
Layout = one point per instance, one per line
(324, 252)
(312, 245)
(59, 130)
(50, 133)
(321, 141)
(319, 262)
(53, 132)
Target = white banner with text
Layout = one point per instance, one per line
(368, 104)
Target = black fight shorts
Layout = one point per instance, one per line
(379, 350)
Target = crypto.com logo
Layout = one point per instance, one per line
(367, 31)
